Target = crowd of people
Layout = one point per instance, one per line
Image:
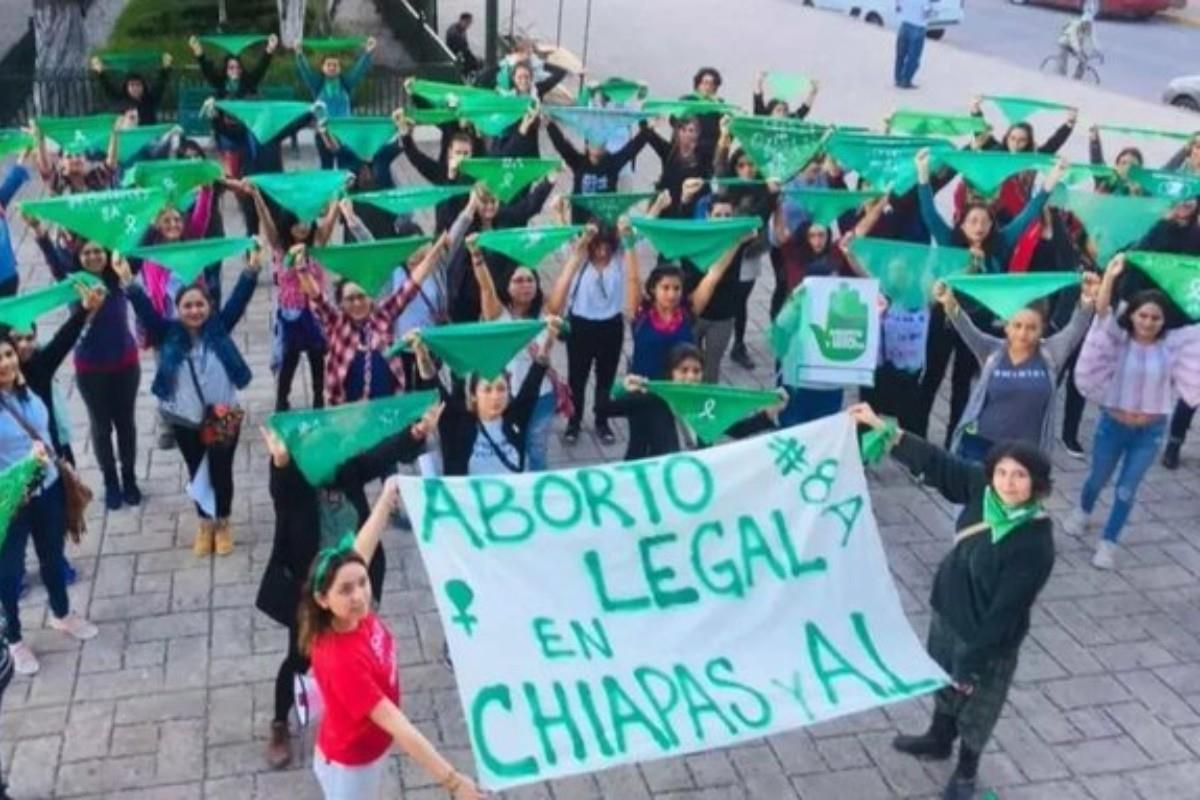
(1109, 337)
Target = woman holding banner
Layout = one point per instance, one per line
(353, 657)
(1134, 369)
(984, 588)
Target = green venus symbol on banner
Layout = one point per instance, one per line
(843, 337)
(462, 597)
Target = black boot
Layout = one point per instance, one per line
(962, 782)
(935, 744)
(113, 496)
(1170, 458)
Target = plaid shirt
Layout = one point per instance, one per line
(345, 338)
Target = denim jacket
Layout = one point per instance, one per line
(174, 342)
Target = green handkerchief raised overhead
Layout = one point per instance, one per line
(907, 271)
(1177, 275)
(369, 264)
(484, 348)
(116, 219)
(305, 194)
(507, 177)
(702, 242)
(187, 259)
(711, 409)
(1007, 293)
(528, 246)
(21, 311)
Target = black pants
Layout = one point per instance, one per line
(896, 393)
(944, 343)
(5, 680)
(1074, 403)
(1181, 420)
(287, 372)
(744, 290)
(593, 342)
(293, 664)
(110, 399)
(220, 466)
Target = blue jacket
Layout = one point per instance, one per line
(16, 177)
(1006, 236)
(335, 93)
(173, 341)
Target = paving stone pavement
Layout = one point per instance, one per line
(173, 699)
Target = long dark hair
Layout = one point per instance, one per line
(684, 351)
(657, 275)
(1139, 299)
(1029, 456)
(313, 619)
(989, 243)
(1025, 126)
(535, 307)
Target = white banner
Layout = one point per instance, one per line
(633, 611)
(838, 342)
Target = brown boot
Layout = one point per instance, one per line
(224, 537)
(203, 545)
(279, 747)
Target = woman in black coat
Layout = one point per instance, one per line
(984, 588)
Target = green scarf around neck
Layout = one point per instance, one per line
(1004, 519)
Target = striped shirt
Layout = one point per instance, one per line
(1123, 375)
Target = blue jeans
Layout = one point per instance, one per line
(910, 42)
(42, 518)
(974, 448)
(537, 441)
(805, 405)
(1138, 446)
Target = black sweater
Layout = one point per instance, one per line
(654, 430)
(459, 427)
(590, 177)
(152, 93)
(40, 368)
(676, 170)
(298, 515)
(984, 591)
(437, 172)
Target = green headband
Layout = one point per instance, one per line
(343, 547)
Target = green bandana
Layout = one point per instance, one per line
(1007, 293)
(874, 444)
(686, 108)
(265, 118)
(785, 86)
(15, 482)
(408, 199)
(882, 161)
(175, 177)
(306, 194)
(132, 61)
(334, 44)
(430, 116)
(929, 123)
(906, 272)
(719, 184)
(445, 94)
(327, 555)
(188, 259)
(15, 141)
(1003, 519)
(1079, 174)
(507, 177)
(987, 170)
(701, 241)
(233, 44)
(1113, 221)
(788, 323)
(710, 409)
(492, 116)
(1019, 109)
(131, 141)
(621, 90)
(827, 205)
(1178, 186)
(1148, 133)
(485, 348)
(322, 440)
(369, 264)
(79, 135)
(528, 246)
(596, 125)
(21, 311)
(116, 219)
(1178, 276)
(608, 207)
(363, 136)
(780, 147)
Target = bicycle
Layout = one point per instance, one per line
(1084, 71)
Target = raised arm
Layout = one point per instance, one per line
(570, 155)
(554, 77)
(557, 301)
(253, 76)
(200, 215)
(266, 221)
(154, 323)
(703, 293)
(359, 69)
(941, 232)
(428, 168)
(1062, 344)
(489, 300)
(631, 148)
(235, 307)
(311, 79)
(633, 270)
(326, 224)
(982, 345)
(156, 90)
(1061, 135)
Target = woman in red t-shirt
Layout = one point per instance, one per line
(354, 662)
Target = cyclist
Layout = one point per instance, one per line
(1078, 39)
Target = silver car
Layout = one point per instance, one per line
(1184, 92)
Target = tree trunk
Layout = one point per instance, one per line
(61, 49)
(291, 21)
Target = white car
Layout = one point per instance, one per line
(883, 12)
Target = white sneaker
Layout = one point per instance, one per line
(1105, 557)
(1076, 522)
(24, 661)
(76, 626)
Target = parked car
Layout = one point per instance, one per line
(883, 12)
(1139, 9)
(1183, 92)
